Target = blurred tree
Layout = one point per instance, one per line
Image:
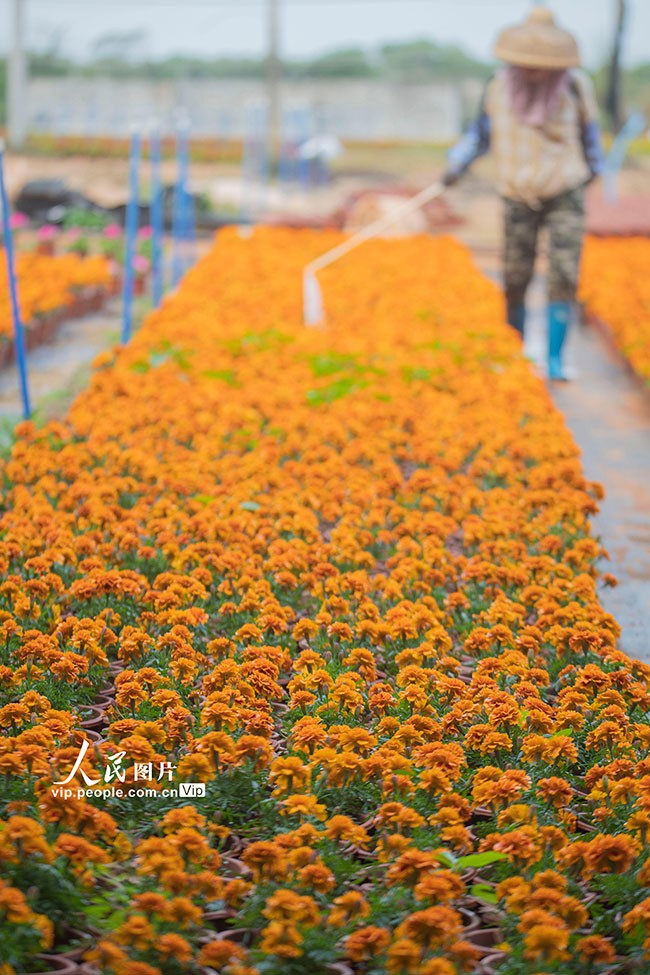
(120, 46)
(613, 97)
(423, 60)
(348, 63)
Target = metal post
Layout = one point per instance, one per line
(132, 220)
(179, 215)
(157, 228)
(274, 79)
(19, 337)
(17, 78)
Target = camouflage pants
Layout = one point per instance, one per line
(564, 217)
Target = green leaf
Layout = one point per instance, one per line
(446, 857)
(411, 373)
(480, 859)
(250, 506)
(336, 390)
(203, 498)
(140, 366)
(484, 892)
(226, 375)
(328, 363)
(565, 733)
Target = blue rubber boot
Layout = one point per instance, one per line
(559, 318)
(516, 315)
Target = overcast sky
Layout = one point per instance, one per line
(214, 27)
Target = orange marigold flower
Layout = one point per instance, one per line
(596, 950)
(432, 927)
(546, 942)
(366, 943)
(219, 954)
(348, 906)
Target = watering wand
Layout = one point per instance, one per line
(313, 309)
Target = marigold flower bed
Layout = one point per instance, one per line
(615, 289)
(51, 289)
(345, 579)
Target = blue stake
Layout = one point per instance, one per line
(179, 218)
(187, 222)
(19, 338)
(245, 212)
(157, 228)
(191, 229)
(132, 219)
(616, 157)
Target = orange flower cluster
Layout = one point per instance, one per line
(344, 579)
(48, 283)
(614, 287)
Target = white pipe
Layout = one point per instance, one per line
(312, 299)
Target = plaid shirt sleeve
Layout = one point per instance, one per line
(474, 143)
(591, 137)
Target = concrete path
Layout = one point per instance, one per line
(609, 415)
(61, 368)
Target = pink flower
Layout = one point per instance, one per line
(144, 233)
(46, 232)
(18, 220)
(140, 264)
(112, 231)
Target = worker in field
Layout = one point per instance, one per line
(540, 119)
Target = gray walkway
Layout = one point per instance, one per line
(61, 368)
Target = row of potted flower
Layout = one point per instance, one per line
(50, 290)
(615, 291)
(340, 586)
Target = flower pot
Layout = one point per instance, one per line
(471, 921)
(103, 701)
(241, 936)
(491, 964)
(55, 965)
(234, 866)
(90, 734)
(485, 939)
(96, 717)
(81, 942)
(220, 914)
(46, 248)
(139, 285)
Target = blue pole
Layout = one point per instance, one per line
(186, 214)
(19, 337)
(248, 167)
(179, 218)
(157, 227)
(132, 215)
(191, 228)
(616, 157)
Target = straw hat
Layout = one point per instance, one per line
(538, 43)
